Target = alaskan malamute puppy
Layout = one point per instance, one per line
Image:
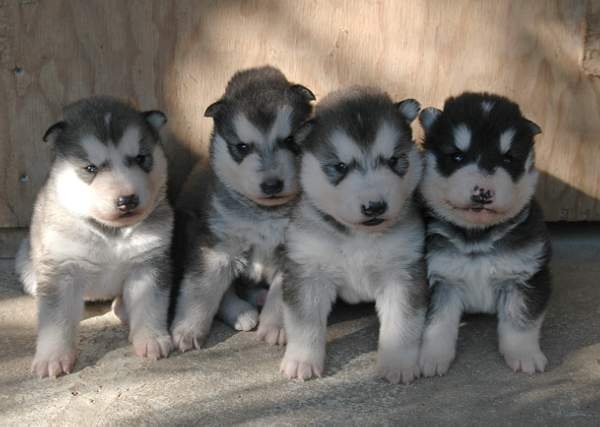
(239, 230)
(101, 230)
(487, 245)
(356, 232)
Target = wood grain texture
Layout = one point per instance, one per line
(178, 56)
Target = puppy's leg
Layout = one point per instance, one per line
(520, 317)
(201, 292)
(270, 326)
(307, 305)
(236, 312)
(401, 309)
(60, 309)
(146, 299)
(118, 308)
(441, 330)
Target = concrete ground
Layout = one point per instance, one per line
(236, 380)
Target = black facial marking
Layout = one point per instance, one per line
(486, 129)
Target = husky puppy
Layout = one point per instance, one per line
(487, 244)
(356, 232)
(239, 230)
(101, 230)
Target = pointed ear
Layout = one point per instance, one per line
(53, 131)
(155, 118)
(214, 109)
(428, 117)
(533, 127)
(304, 92)
(303, 131)
(409, 109)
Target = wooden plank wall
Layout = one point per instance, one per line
(178, 56)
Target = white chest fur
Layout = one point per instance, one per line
(480, 277)
(357, 264)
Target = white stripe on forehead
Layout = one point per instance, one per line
(486, 106)
(462, 137)
(129, 145)
(385, 140)
(282, 127)
(345, 147)
(506, 140)
(246, 131)
(97, 152)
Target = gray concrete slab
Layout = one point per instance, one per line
(236, 380)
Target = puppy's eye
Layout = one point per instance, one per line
(341, 167)
(393, 161)
(243, 148)
(508, 158)
(91, 169)
(140, 159)
(457, 157)
(291, 145)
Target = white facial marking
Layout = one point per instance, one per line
(282, 126)
(506, 139)
(246, 131)
(130, 142)
(486, 106)
(462, 137)
(107, 118)
(409, 110)
(345, 147)
(385, 141)
(97, 152)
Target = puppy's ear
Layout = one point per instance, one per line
(409, 109)
(53, 131)
(303, 91)
(155, 118)
(428, 117)
(214, 109)
(533, 127)
(303, 131)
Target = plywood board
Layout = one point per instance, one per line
(178, 56)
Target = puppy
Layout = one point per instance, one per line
(101, 230)
(238, 231)
(487, 245)
(356, 232)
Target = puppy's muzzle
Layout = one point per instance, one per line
(126, 204)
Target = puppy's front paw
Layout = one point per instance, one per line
(528, 362)
(53, 363)
(301, 369)
(246, 320)
(436, 356)
(188, 338)
(271, 333)
(399, 366)
(151, 346)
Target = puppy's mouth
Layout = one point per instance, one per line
(373, 222)
(276, 200)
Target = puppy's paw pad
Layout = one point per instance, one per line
(55, 364)
(153, 347)
(246, 321)
(529, 363)
(271, 334)
(303, 370)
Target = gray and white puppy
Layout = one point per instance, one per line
(101, 230)
(356, 232)
(239, 230)
(487, 244)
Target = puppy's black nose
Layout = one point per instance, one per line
(482, 196)
(374, 208)
(272, 186)
(128, 203)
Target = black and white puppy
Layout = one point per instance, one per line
(101, 230)
(487, 244)
(356, 232)
(239, 229)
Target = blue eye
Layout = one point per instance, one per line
(91, 169)
(457, 157)
(341, 167)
